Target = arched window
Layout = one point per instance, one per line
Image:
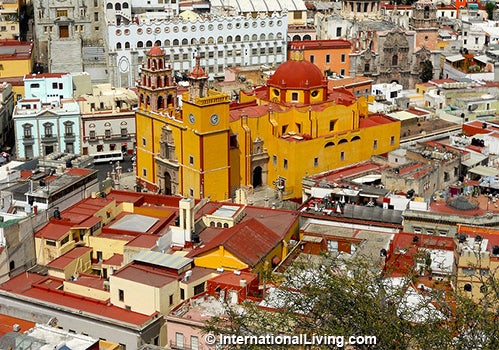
(149, 43)
(342, 141)
(117, 6)
(211, 40)
(246, 37)
(355, 138)
(220, 40)
(109, 6)
(167, 43)
(127, 45)
(185, 42)
(125, 5)
(307, 37)
(219, 224)
(296, 38)
(426, 12)
(140, 44)
(226, 225)
(157, 43)
(329, 144)
(254, 37)
(395, 60)
(467, 287)
(237, 38)
(229, 39)
(175, 42)
(262, 36)
(118, 46)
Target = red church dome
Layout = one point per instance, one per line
(297, 74)
(155, 51)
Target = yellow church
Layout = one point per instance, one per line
(274, 135)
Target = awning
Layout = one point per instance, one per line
(484, 171)
(454, 58)
(367, 178)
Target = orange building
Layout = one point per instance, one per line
(329, 55)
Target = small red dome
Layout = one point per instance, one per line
(155, 51)
(297, 74)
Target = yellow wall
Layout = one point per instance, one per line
(83, 264)
(143, 298)
(219, 257)
(108, 246)
(85, 291)
(16, 68)
(217, 173)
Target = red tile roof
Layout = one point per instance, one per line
(145, 274)
(115, 260)
(66, 259)
(45, 288)
(45, 75)
(88, 280)
(7, 323)
(375, 120)
(230, 278)
(144, 241)
(53, 231)
(321, 44)
(250, 241)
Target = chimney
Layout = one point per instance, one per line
(186, 209)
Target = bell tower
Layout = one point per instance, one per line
(157, 90)
(205, 160)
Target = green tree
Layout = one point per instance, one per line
(331, 296)
(490, 7)
(426, 72)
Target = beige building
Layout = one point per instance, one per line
(156, 282)
(108, 119)
(477, 251)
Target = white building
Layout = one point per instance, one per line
(388, 92)
(108, 119)
(47, 120)
(219, 41)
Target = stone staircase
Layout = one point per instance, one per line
(66, 55)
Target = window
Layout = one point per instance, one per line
(297, 15)
(342, 72)
(342, 155)
(312, 58)
(285, 164)
(48, 129)
(199, 289)
(191, 192)
(50, 242)
(316, 162)
(194, 342)
(468, 271)
(331, 125)
(65, 240)
(144, 141)
(92, 134)
(395, 60)
(328, 58)
(392, 140)
(68, 128)
(343, 58)
(171, 299)
(467, 287)
(182, 293)
(446, 176)
(96, 16)
(121, 295)
(107, 133)
(27, 131)
(61, 13)
(274, 160)
(144, 172)
(375, 144)
(54, 85)
(124, 132)
(294, 97)
(233, 141)
(338, 31)
(179, 340)
(191, 160)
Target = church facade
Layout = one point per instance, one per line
(274, 135)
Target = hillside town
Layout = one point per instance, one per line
(173, 170)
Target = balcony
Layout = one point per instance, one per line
(49, 138)
(69, 137)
